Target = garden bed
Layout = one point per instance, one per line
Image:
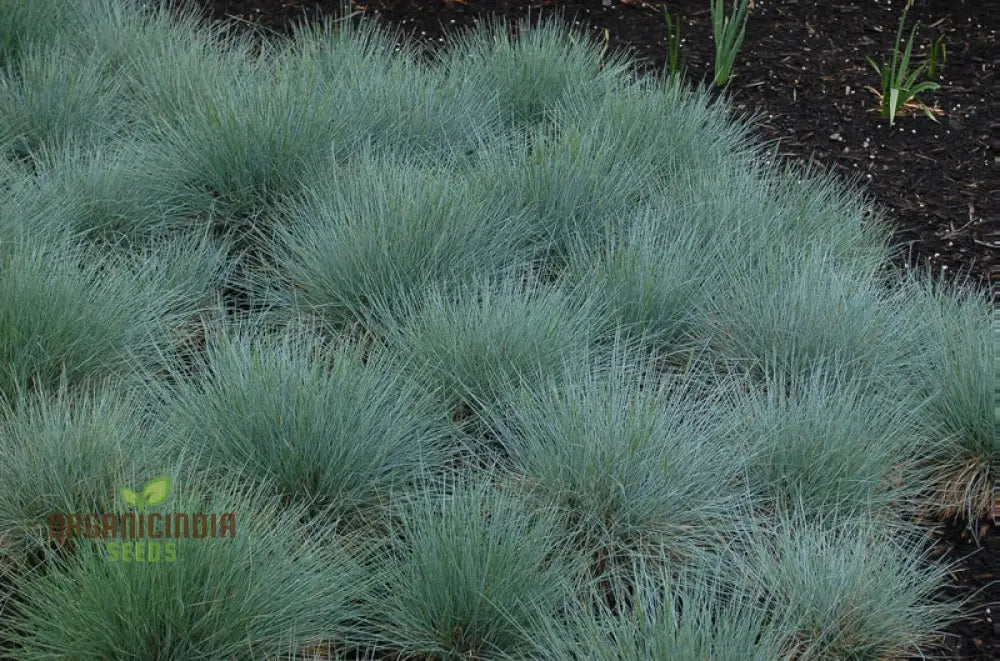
(495, 352)
(803, 67)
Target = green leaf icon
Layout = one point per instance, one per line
(156, 491)
(130, 497)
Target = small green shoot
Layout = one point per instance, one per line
(673, 45)
(728, 32)
(937, 55)
(900, 86)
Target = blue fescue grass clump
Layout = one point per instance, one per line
(532, 75)
(831, 444)
(168, 61)
(275, 585)
(128, 32)
(67, 452)
(26, 24)
(334, 427)
(505, 353)
(50, 96)
(566, 182)
(472, 345)
(248, 141)
(690, 616)
(671, 130)
(846, 587)
(66, 312)
(785, 312)
(958, 375)
(394, 100)
(115, 193)
(635, 461)
(652, 273)
(481, 574)
(381, 231)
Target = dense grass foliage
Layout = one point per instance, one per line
(637, 463)
(503, 353)
(481, 575)
(380, 233)
(845, 587)
(831, 445)
(272, 587)
(472, 345)
(67, 452)
(66, 312)
(50, 97)
(337, 431)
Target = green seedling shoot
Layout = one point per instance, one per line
(900, 85)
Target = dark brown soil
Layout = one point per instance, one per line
(977, 576)
(803, 66)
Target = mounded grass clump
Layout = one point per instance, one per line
(831, 444)
(785, 313)
(670, 130)
(66, 452)
(636, 462)
(327, 426)
(958, 375)
(244, 144)
(116, 193)
(482, 573)
(50, 96)
(567, 182)
(670, 617)
(70, 313)
(473, 345)
(531, 75)
(501, 353)
(380, 233)
(846, 587)
(274, 586)
(653, 274)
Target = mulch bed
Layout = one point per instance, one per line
(803, 67)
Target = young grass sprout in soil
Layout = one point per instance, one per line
(900, 86)
(674, 64)
(937, 55)
(728, 32)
